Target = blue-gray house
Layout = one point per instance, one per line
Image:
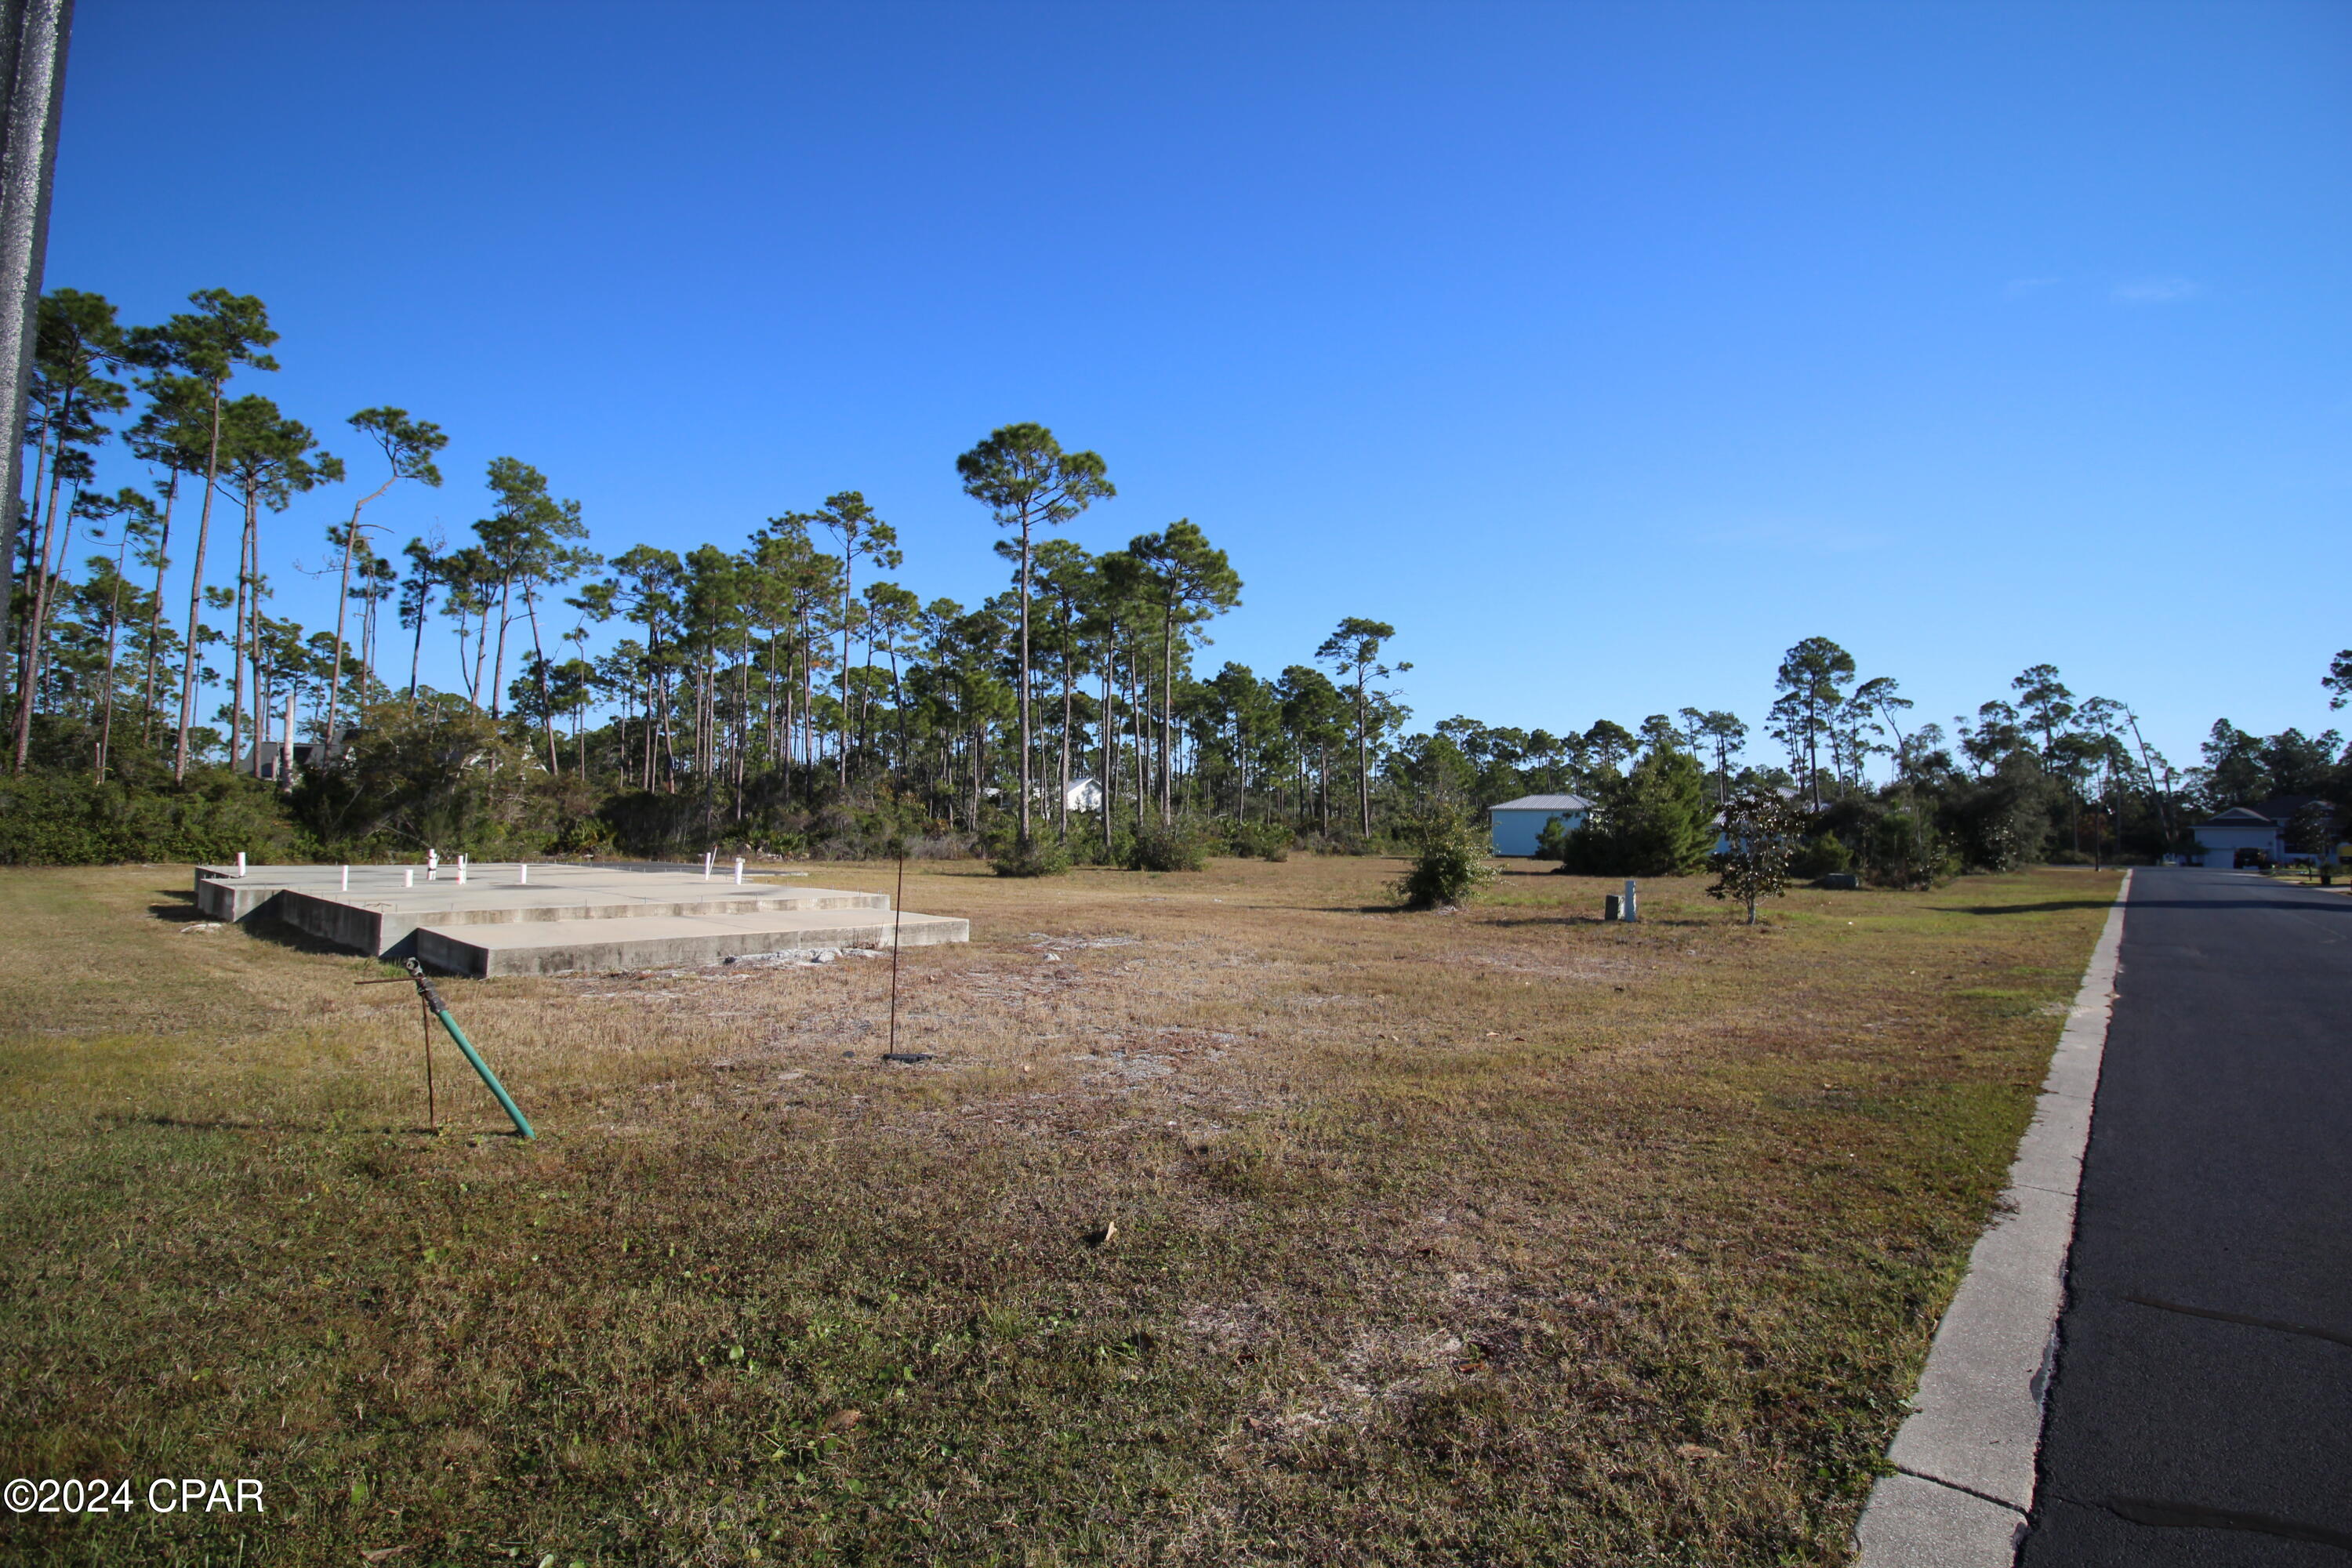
(1518, 823)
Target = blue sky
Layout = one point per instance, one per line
(1606, 351)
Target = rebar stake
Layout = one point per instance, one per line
(897, 909)
(440, 1010)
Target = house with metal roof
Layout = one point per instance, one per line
(2261, 827)
(1517, 825)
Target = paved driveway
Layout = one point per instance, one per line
(2201, 1411)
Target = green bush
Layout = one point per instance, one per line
(1654, 822)
(2002, 822)
(1339, 841)
(443, 776)
(1044, 857)
(1174, 846)
(1905, 851)
(1449, 863)
(1820, 856)
(1088, 848)
(64, 819)
(1259, 840)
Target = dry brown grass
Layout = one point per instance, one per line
(1504, 1236)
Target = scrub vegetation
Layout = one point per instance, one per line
(1234, 1216)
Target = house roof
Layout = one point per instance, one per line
(2279, 809)
(1546, 803)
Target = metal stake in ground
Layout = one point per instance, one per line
(898, 907)
(423, 1017)
(431, 1112)
(439, 1009)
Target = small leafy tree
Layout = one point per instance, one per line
(1759, 830)
(1449, 862)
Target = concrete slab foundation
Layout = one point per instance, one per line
(551, 919)
(667, 941)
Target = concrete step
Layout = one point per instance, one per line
(667, 941)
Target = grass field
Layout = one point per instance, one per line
(1499, 1238)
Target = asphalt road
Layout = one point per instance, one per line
(2201, 1407)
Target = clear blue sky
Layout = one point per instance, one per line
(1607, 351)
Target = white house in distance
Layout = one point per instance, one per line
(1085, 794)
(1518, 823)
(2262, 827)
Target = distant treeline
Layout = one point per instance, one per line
(787, 694)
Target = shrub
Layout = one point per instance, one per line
(64, 819)
(1044, 857)
(1654, 822)
(1905, 851)
(1449, 863)
(2002, 822)
(1820, 856)
(1175, 847)
(1259, 840)
(440, 774)
(1339, 841)
(1088, 848)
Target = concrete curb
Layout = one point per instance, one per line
(1964, 1460)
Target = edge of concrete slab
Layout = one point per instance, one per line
(1964, 1460)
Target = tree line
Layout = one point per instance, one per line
(2037, 773)
(756, 690)
(788, 690)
